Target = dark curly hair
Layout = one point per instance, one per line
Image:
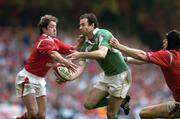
(173, 38)
(44, 22)
(91, 19)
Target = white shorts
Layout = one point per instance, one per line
(27, 83)
(117, 85)
(173, 109)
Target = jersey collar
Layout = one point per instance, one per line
(95, 31)
(45, 36)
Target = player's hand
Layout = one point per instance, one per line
(58, 80)
(74, 55)
(80, 40)
(114, 42)
(69, 64)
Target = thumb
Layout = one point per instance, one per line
(72, 51)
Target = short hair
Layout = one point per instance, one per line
(44, 22)
(173, 38)
(91, 19)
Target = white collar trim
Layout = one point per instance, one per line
(95, 31)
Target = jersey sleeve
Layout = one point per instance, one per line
(45, 46)
(161, 58)
(63, 48)
(104, 39)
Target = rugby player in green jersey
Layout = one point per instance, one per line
(115, 80)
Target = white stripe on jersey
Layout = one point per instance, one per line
(48, 38)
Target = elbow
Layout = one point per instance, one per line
(139, 56)
(142, 56)
(102, 56)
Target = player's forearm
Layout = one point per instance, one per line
(80, 70)
(93, 55)
(135, 53)
(131, 60)
(57, 57)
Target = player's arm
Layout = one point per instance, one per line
(59, 58)
(97, 54)
(135, 53)
(131, 60)
(81, 68)
(74, 75)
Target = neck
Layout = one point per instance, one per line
(90, 36)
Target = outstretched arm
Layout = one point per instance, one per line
(131, 60)
(135, 53)
(59, 58)
(97, 54)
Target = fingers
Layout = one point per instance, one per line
(71, 64)
(74, 65)
(57, 75)
(69, 56)
(114, 42)
(74, 55)
(59, 82)
(73, 68)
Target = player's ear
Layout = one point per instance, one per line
(93, 25)
(44, 29)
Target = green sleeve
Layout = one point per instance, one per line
(104, 39)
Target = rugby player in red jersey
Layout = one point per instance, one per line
(30, 83)
(169, 61)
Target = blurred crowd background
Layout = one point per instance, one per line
(137, 23)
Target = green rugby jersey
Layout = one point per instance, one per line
(114, 62)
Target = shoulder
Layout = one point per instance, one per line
(45, 40)
(104, 32)
(160, 52)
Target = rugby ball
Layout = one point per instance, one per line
(64, 74)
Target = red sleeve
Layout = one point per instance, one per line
(63, 48)
(161, 58)
(45, 46)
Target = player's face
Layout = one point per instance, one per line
(84, 27)
(51, 29)
(165, 43)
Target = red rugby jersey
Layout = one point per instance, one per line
(169, 61)
(40, 55)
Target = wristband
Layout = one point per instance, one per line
(125, 59)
